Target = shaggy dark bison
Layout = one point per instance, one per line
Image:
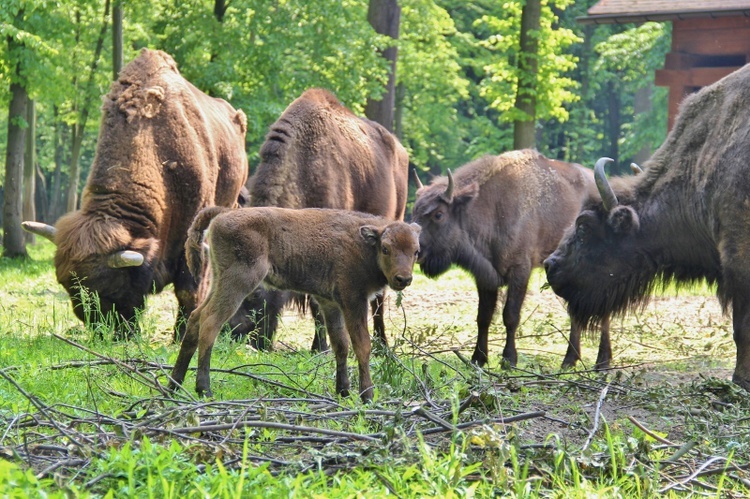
(685, 218)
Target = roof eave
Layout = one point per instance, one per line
(643, 17)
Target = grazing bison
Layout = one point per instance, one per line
(341, 258)
(685, 218)
(165, 150)
(320, 155)
(498, 217)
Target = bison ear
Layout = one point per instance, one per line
(152, 99)
(466, 194)
(623, 220)
(370, 234)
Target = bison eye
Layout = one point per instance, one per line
(438, 215)
(385, 251)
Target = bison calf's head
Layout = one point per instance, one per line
(599, 267)
(398, 247)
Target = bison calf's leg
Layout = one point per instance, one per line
(339, 344)
(319, 343)
(187, 349)
(356, 324)
(485, 313)
(376, 305)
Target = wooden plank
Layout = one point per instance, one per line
(701, 24)
(695, 77)
(714, 42)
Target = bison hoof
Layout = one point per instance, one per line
(601, 366)
(366, 396)
(569, 363)
(479, 358)
(741, 381)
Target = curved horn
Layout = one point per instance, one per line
(40, 229)
(448, 194)
(416, 179)
(123, 259)
(609, 200)
(637, 170)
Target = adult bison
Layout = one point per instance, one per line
(321, 155)
(165, 150)
(685, 218)
(498, 217)
(339, 257)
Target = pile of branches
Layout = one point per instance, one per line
(63, 440)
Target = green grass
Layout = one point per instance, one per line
(84, 416)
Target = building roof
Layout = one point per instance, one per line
(637, 11)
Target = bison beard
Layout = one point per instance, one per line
(339, 257)
(685, 218)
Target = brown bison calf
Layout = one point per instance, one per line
(341, 258)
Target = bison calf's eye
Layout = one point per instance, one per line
(385, 251)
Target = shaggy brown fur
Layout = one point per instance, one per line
(320, 155)
(505, 214)
(341, 258)
(686, 218)
(165, 150)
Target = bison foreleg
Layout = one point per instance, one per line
(573, 354)
(604, 356)
(517, 284)
(485, 313)
(741, 324)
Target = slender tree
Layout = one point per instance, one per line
(385, 17)
(80, 126)
(13, 237)
(117, 53)
(523, 128)
(29, 169)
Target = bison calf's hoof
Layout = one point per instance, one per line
(479, 358)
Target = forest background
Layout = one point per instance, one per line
(457, 77)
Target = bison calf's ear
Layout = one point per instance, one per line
(370, 234)
(623, 220)
(416, 228)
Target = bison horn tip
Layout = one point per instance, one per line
(40, 229)
(609, 199)
(126, 258)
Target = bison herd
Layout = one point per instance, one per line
(323, 222)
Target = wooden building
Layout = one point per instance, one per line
(710, 38)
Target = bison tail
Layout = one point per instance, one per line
(194, 246)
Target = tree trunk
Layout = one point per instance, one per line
(80, 127)
(398, 116)
(523, 129)
(29, 169)
(13, 238)
(384, 16)
(116, 38)
(56, 200)
(642, 105)
(41, 197)
(613, 124)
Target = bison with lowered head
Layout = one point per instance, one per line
(319, 154)
(165, 151)
(340, 257)
(685, 218)
(498, 217)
